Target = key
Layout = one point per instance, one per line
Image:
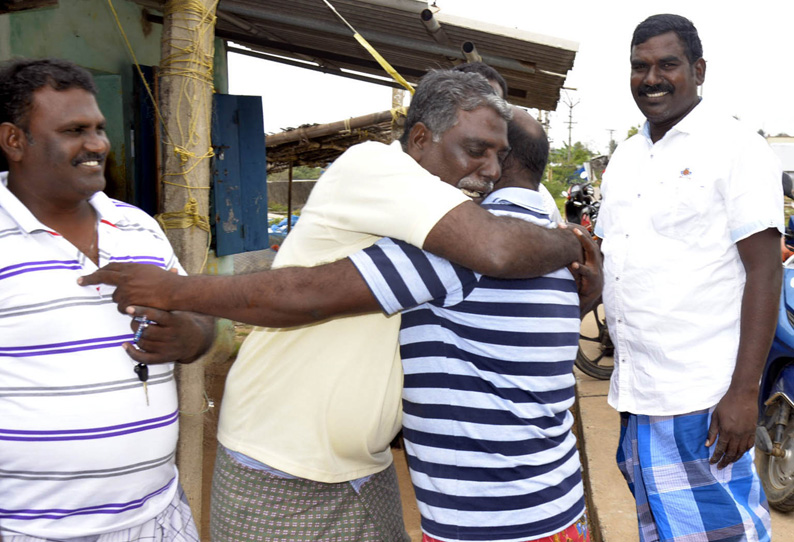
(142, 370)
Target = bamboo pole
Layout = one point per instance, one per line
(321, 130)
(186, 85)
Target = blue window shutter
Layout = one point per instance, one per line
(239, 175)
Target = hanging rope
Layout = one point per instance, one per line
(375, 54)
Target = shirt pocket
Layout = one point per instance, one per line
(683, 207)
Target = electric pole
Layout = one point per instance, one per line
(567, 101)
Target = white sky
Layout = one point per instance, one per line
(748, 47)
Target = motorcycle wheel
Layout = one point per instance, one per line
(776, 473)
(595, 355)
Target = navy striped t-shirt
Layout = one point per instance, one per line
(488, 386)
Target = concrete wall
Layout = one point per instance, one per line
(277, 192)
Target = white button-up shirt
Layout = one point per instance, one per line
(671, 215)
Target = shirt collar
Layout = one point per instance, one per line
(696, 120)
(523, 197)
(105, 208)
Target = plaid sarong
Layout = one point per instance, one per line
(174, 524)
(680, 496)
(253, 504)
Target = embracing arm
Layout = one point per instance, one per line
(283, 297)
(736, 414)
(501, 247)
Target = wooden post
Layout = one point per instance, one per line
(186, 86)
(289, 199)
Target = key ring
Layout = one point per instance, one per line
(143, 323)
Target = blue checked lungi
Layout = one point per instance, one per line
(680, 496)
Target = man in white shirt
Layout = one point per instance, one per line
(690, 222)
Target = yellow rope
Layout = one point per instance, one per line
(195, 67)
(397, 112)
(186, 218)
(375, 54)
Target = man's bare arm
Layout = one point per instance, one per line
(283, 297)
(501, 247)
(735, 417)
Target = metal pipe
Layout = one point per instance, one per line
(433, 27)
(257, 12)
(470, 52)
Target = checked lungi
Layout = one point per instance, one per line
(174, 524)
(680, 496)
(252, 504)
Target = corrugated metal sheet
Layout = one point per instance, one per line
(534, 66)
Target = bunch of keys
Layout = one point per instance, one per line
(141, 369)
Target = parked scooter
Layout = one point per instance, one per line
(581, 205)
(774, 438)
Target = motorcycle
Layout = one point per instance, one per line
(595, 356)
(774, 438)
(581, 205)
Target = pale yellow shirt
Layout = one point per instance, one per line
(322, 401)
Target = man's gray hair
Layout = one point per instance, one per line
(441, 93)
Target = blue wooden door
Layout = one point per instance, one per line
(239, 175)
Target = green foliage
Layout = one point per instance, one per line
(298, 172)
(562, 167)
(633, 131)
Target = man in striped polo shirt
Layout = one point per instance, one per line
(488, 363)
(88, 430)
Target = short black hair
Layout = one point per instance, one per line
(486, 71)
(530, 150)
(656, 25)
(20, 78)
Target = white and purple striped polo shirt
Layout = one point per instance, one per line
(488, 386)
(80, 450)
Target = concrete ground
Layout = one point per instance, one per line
(612, 509)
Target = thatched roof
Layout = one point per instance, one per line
(317, 145)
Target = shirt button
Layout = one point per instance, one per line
(617, 278)
(627, 236)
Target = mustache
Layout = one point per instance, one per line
(651, 89)
(89, 157)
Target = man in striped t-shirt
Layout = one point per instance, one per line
(87, 430)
